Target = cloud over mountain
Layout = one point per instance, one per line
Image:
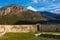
(31, 8)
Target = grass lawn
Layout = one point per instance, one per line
(23, 36)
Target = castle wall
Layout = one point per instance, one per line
(29, 28)
(50, 27)
(18, 28)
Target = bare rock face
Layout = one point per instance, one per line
(12, 9)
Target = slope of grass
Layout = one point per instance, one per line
(23, 36)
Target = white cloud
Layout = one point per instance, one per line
(47, 0)
(49, 8)
(42, 9)
(57, 11)
(57, 7)
(43, 1)
(31, 8)
(52, 7)
(35, 1)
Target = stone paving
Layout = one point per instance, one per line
(47, 35)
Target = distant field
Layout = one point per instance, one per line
(24, 36)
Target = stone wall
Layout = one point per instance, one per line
(18, 28)
(50, 27)
(29, 28)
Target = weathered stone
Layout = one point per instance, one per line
(19, 28)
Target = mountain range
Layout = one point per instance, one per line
(13, 13)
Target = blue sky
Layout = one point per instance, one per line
(36, 5)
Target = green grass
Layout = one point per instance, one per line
(23, 36)
(51, 32)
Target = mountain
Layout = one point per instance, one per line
(12, 9)
(17, 14)
(56, 11)
(50, 15)
(13, 13)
